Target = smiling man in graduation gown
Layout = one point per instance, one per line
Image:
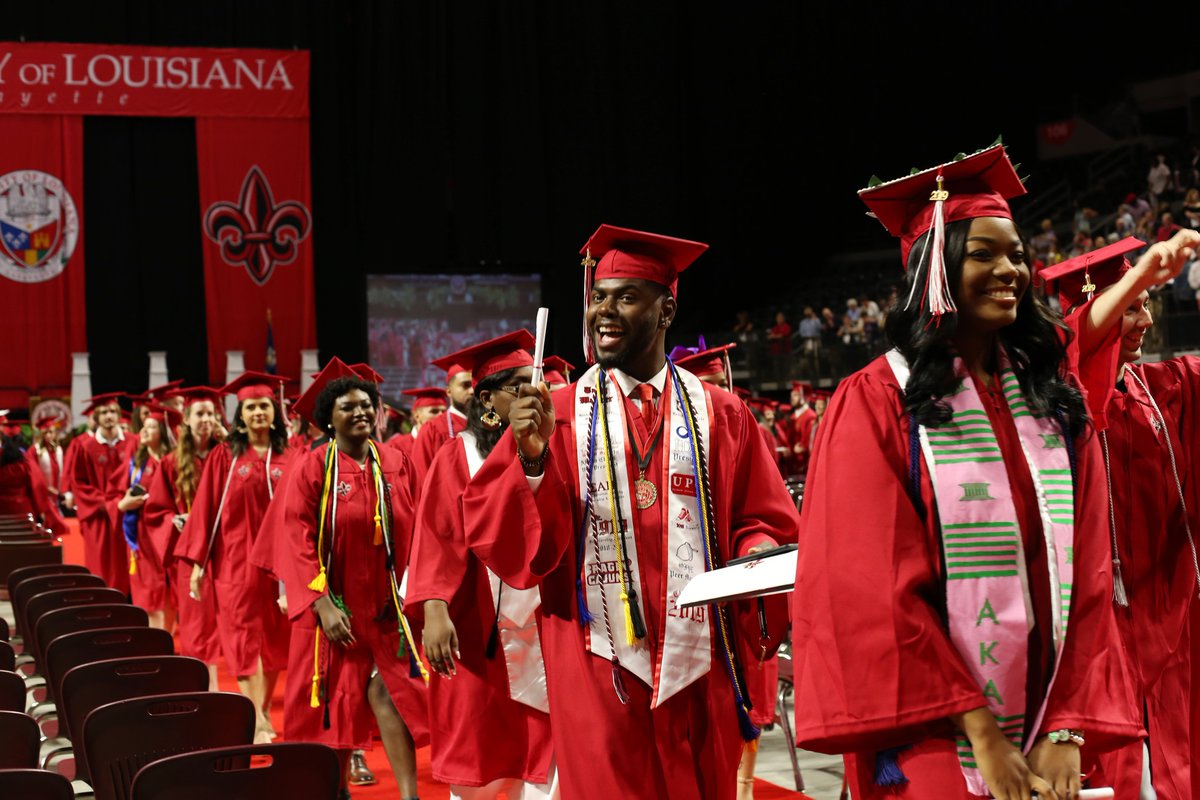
(436, 432)
(97, 473)
(612, 506)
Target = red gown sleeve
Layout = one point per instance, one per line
(193, 543)
(1093, 360)
(438, 563)
(87, 485)
(44, 506)
(521, 536)
(159, 510)
(874, 665)
(293, 519)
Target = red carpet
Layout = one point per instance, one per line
(386, 788)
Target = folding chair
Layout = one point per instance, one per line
(4, 634)
(21, 573)
(34, 784)
(120, 738)
(36, 584)
(12, 692)
(89, 686)
(8, 657)
(786, 683)
(19, 740)
(291, 769)
(42, 603)
(84, 647)
(14, 555)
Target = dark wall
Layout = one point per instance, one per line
(455, 136)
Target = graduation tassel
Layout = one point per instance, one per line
(938, 296)
(378, 540)
(887, 768)
(635, 614)
(318, 583)
(1119, 595)
(315, 700)
(618, 683)
(489, 651)
(133, 562)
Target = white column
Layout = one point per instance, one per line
(158, 368)
(309, 366)
(235, 365)
(81, 385)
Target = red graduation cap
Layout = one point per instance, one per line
(1078, 278)
(707, 362)
(451, 365)
(10, 427)
(161, 390)
(495, 355)
(168, 418)
(306, 403)
(95, 401)
(802, 386)
(742, 393)
(194, 394)
(978, 185)
(427, 397)
(556, 369)
(46, 423)
(627, 253)
(368, 374)
(252, 385)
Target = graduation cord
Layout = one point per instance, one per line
(586, 523)
(618, 683)
(1174, 472)
(489, 650)
(212, 536)
(320, 583)
(750, 732)
(1119, 595)
(635, 626)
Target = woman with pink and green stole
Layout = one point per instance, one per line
(953, 629)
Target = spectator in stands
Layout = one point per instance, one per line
(1166, 228)
(831, 341)
(1098, 241)
(1045, 242)
(1191, 207)
(1125, 224)
(745, 334)
(810, 342)
(780, 337)
(1158, 180)
(1083, 219)
(870, 321)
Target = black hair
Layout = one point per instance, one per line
(239, 437)
(323, 408)
(485, 437)
(10, 450)
(1034, 343)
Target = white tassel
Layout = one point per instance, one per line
(937, 291)
(1119, 596)
(589, 266)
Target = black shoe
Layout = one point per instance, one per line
(360, 773)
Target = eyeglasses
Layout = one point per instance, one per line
(514, 389)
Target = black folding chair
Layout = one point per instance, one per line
(36, 584)
(21, 573)
(34, 784)
(120, 738)
(45, 602)
(291, 769)
(19, 740)
(89, 686)
(12, 692)
(8, 657)
(14, 555)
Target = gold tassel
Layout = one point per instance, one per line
(315, 700)
(132, 563)
(317, 584)
(378, 540)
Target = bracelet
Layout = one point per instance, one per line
(1065, 735)
(536, 463)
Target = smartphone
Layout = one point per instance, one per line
(774, 551)
(137, 490)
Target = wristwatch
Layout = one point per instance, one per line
(1065, 735)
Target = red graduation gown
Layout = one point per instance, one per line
(55, 479)
(197, 620)
(404, 442)
(478, 732)
(98, 474)
(433, 434)
(23, 491)
(802, 425)
(1156, 565)
(874, 664)
(250, 624)
(147, 579)
(288, 548)
(687, 747)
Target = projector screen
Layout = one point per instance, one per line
(412, 319)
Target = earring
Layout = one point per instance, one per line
(490, 419)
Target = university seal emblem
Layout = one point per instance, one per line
(39, 226)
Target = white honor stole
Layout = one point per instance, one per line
(517, 621)
(684, 647)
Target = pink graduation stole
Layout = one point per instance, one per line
(987, 587)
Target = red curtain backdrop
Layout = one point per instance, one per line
(43, 319)
(255, 198)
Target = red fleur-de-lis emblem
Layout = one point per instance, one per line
(257, 233)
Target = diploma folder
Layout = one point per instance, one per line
(769, 572)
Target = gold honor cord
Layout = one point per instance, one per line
(319, 583)
(631, 636)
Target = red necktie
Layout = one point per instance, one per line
(645, 395)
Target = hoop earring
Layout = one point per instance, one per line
(490, 419)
